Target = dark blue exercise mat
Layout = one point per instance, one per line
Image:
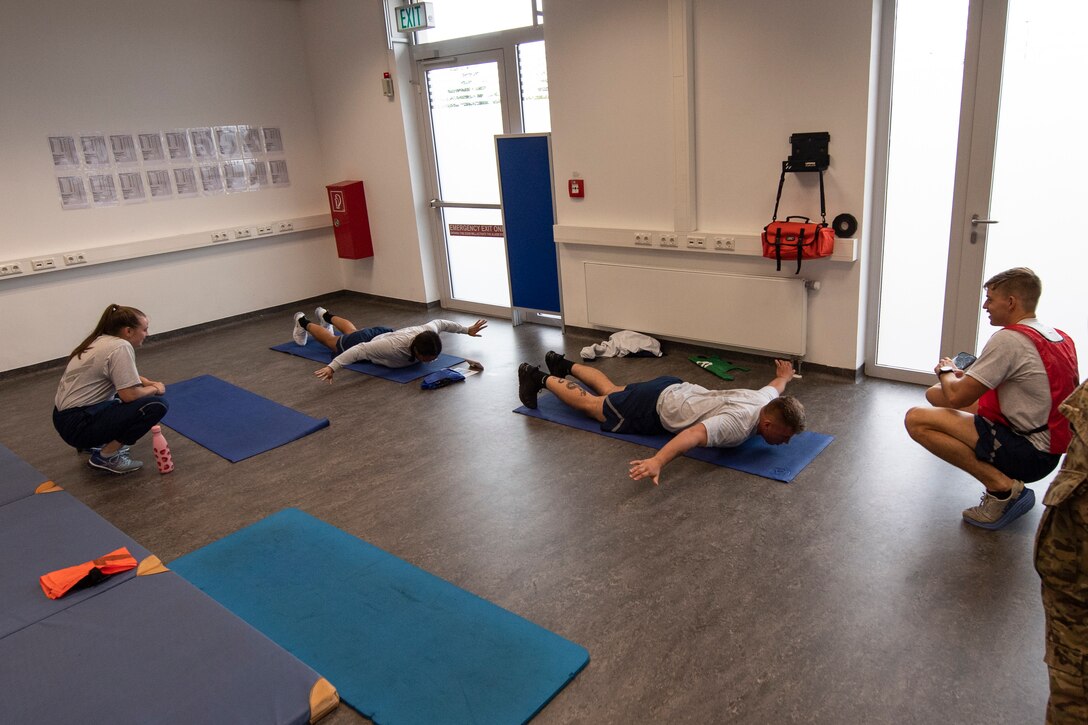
(400, 644)
(17, 477)
(231, 421)
(154, 650)
(42, 533)
(780, 463)
(314, 350)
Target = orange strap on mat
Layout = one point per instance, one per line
(57, 583)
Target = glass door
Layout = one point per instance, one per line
(981, 134)
(466, 103)
(1023, 172)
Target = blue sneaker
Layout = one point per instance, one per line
(119, 462)
(993, 513)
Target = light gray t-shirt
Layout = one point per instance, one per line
(1010, 363)
(107, 366)
(730, 416)
(392, 348)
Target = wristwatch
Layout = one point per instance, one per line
(945, 369)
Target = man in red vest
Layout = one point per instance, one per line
(999, 420)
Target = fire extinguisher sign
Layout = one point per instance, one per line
(336, 200)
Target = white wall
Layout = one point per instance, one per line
(366, 136)
(115, 65)
(313, 67)
(610, 73)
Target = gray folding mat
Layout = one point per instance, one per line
(142, 646)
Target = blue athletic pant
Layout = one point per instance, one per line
(95, 425)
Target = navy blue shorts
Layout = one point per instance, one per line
(343, 342)
(1011, 453)
(634, 409)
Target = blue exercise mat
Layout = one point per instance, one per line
(781, 463)
(231, 422)
(17, 477)
(399, 644)
(314, 350)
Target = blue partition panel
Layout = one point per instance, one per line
(525, 180)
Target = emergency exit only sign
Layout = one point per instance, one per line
(417, 16)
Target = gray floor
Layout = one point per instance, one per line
(853, 595)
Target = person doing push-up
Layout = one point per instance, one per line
(698, 417)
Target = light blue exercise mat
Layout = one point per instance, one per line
(399, 644)
(231, 421)
(314, 350)
(780, 463)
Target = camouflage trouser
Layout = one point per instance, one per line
(1061, 558)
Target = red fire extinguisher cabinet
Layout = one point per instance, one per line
(350, 222)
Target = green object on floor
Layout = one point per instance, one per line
(714, 364)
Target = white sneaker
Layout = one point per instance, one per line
(320, 312)
(298, 333)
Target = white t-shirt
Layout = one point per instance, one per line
(391, 349)
(1010, 363)
(105, 367)
(730, 416)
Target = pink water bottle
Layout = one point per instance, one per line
(163, 458)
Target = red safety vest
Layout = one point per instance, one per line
(1060, 362)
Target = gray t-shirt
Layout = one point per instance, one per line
(107, 366)
(730, 416)
(392, 348)
(1010, 363)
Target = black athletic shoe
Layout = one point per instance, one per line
(528, 385)
(558, 365)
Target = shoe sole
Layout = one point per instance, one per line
(100, 467)
(529, 401)
(1018, 509)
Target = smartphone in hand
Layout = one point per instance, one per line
(963, 360)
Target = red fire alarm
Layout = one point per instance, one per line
(576, 188)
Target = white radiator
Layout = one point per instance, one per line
(766, 314)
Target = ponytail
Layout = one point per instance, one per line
(113, 319)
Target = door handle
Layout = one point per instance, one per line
(975, 221)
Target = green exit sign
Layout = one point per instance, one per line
(417, 16)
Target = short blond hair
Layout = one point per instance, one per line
(1019, 282)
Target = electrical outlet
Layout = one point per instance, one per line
(220, 237)
(242, 233)
(9, 268)
(642, 239)
(667, 240)
(285, 227)
(74, 258)
(696, 242)
(39, 265)
(725, 244)
(264, 230)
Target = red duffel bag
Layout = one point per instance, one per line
(803, 239)
(797, 240)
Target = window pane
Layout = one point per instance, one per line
(461, 18)
(1036, 169)
(927, 76)
(466, 114)
(533, 72)
(477, 263)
